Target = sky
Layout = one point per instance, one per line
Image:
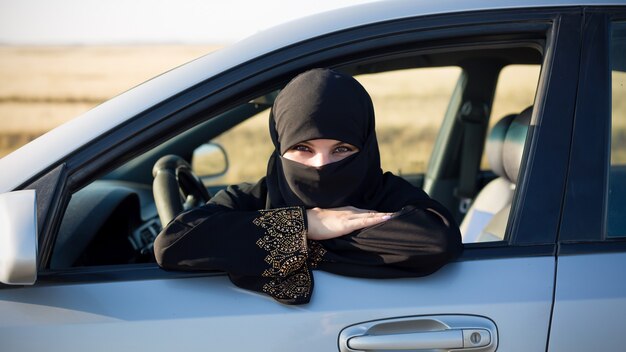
(92, 22)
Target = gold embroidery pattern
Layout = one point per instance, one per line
(284, 239)
(316, 253)
(294, 286)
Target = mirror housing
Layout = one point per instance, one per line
(209, 160)
(18, 238)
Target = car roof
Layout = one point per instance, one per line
(35, 157)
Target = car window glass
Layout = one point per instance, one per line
(114, 220)
(413, 97)
(616, 219)
(248, 147)
(486, 218)
(515, 91)
(410, 106)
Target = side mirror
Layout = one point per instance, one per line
(209, 160)
(18, 238)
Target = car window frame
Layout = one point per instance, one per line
(583, 228)
(241, 84)
(540, 196)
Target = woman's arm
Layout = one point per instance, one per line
(416, 241)
(261, 250)
(214, 237)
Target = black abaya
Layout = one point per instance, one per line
(258, 233)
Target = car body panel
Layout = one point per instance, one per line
(590, 300)
(210, 312)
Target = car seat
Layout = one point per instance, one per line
(487, 217)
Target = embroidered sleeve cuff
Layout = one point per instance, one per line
(284, 239)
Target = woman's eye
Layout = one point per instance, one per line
(343, 149)
(301, 148)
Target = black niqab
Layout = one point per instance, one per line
(325, 104)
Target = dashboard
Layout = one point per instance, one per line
(108, 222)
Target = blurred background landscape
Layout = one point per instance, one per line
(44, 86)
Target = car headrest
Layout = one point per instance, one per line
(513, 148)
(495, 143)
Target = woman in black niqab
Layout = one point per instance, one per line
(268, 236)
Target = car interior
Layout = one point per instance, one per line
(114, 219)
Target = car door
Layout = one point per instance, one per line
(497, 295)
(590, 296)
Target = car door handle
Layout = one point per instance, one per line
(443, 333)
(447, 339)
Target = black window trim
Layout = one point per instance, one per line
(585, 214)
(585, 205)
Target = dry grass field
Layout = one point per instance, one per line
(43, 87)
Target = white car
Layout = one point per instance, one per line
(545, 251)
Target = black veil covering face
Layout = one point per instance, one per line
(325, 104)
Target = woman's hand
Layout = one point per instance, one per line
(324, 224)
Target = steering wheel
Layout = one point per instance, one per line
(176, 188)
